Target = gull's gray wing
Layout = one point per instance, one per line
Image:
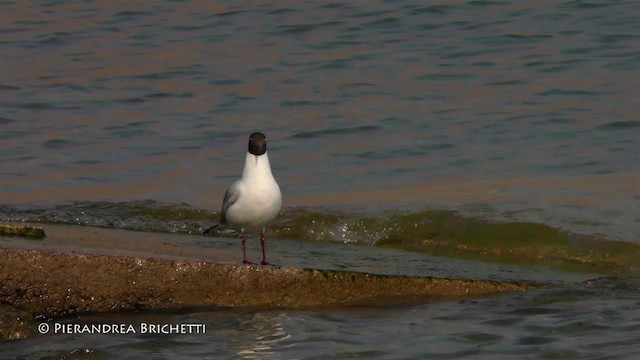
(230, 197)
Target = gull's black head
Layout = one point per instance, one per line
(257, 143)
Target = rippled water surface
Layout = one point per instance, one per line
(501, 110)
(544, 324)
(528, 106)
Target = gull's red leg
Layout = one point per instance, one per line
(264, 253)
(244, 248)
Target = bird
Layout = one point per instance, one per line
(254, 201)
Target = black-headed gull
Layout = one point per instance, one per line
(254, 201)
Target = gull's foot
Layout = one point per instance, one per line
(247, 262)
(263, 262)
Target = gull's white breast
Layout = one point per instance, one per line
(259, 199)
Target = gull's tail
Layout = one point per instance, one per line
(215, 227)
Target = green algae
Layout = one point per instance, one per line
(448, 233)
(166, 212)
(436, 232)
(27, 231)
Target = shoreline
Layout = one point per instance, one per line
(91, 270)
(53, 284)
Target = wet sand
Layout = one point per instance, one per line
(82, 269)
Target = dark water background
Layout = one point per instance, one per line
(527, 110)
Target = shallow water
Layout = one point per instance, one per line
(469, 232)
(500, 110)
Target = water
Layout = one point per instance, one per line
(501, 110)
(545, 324)
(529, 107)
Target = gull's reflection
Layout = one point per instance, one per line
(259, 335)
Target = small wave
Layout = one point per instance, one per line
(508, 83)
(436, 232)
(434, 9)
(619, 125)
(132, 13)
(56, 143)
(307, 103)
(487, 3)
(445, 77)
(338, 131)
(388, 22)
(9, 87)
(567, 92)
(4, 120)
